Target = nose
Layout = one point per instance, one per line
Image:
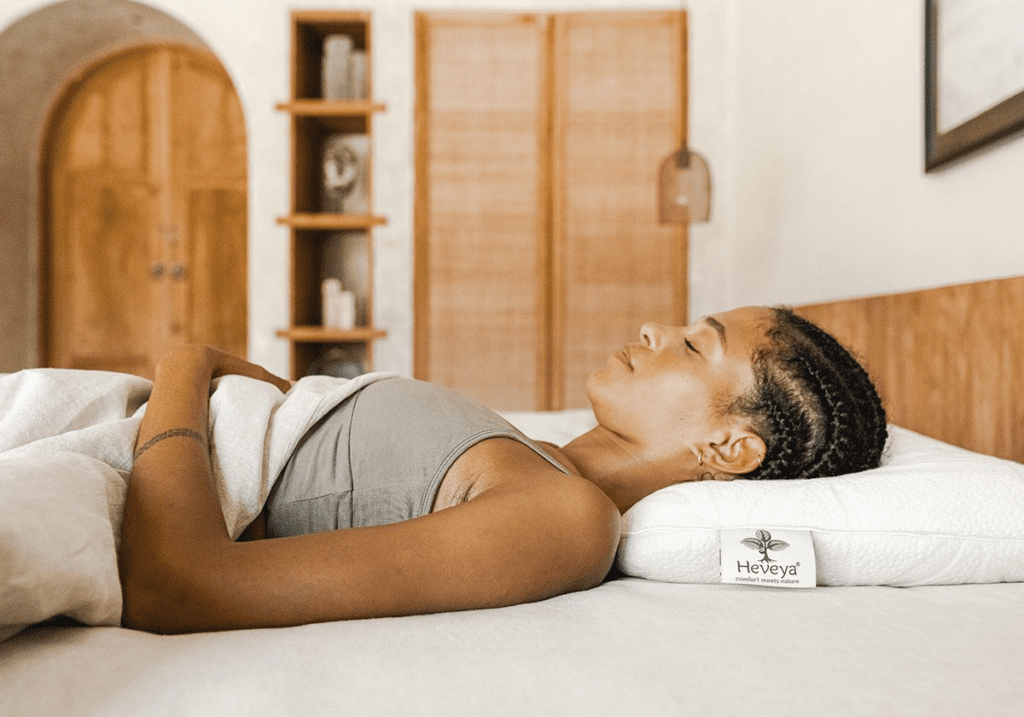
(652, 335)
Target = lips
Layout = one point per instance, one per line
(623, 356)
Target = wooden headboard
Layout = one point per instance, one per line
(949, 362)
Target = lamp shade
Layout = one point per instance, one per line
(684, 188)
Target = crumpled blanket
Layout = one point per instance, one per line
(66, 444)
(253, 426)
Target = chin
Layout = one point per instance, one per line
(591, 385)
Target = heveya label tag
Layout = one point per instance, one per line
(772, 557)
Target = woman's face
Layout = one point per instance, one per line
(670, 388)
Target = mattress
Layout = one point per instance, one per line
(627, 647)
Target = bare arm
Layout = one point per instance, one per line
(171, 497)
(539, 535)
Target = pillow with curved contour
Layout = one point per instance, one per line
(931, 514)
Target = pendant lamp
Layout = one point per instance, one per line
(684, 181)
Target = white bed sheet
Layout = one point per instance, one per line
(628, 647)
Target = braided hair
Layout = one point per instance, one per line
(813, 404)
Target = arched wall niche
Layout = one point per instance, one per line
(41, 54)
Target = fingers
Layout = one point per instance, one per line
(282, 385)
(227, 364)
(245, 368)
(221, 363)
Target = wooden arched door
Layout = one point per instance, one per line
(146, 213)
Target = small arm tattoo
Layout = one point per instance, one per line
(187, 432)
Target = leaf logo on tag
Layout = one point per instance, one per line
(793, 569)
(763, 543)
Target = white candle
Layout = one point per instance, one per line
(330, 304)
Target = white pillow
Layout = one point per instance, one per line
(932, 514)
(59, 524)
(558, 427)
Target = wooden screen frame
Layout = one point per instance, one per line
(562, 24)
(949, 362)
(424, 21)
(551, 268)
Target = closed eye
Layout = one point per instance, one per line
(690, 346)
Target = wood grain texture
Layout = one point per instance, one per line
(209, 203)
(538, 250)
(481, 277)
(145, 216)
(617, 114)
(949, 362)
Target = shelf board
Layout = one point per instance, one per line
(322, 220)
(319, 334)
(331, 108)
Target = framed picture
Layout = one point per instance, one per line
(974, 76)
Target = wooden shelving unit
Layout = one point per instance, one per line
(324, 242)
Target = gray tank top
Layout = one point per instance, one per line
(379, 457)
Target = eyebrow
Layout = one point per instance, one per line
(717, 326)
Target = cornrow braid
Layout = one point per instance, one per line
(813, 404)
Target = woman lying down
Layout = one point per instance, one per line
(451, 508)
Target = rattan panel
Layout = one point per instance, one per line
(618, 115)
(481, 250)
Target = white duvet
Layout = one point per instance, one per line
(66, 444)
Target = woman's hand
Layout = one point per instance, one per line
(213, 362)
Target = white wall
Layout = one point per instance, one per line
(822, 192)
(810, 114)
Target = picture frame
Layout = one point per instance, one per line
(974, 81)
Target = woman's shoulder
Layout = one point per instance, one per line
(559, 515)
(510, 469)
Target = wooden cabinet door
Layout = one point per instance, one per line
(538, 248)
(146, 213)
(209, 205)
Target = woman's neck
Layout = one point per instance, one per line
(618, 467)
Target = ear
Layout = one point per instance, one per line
(733, 453)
